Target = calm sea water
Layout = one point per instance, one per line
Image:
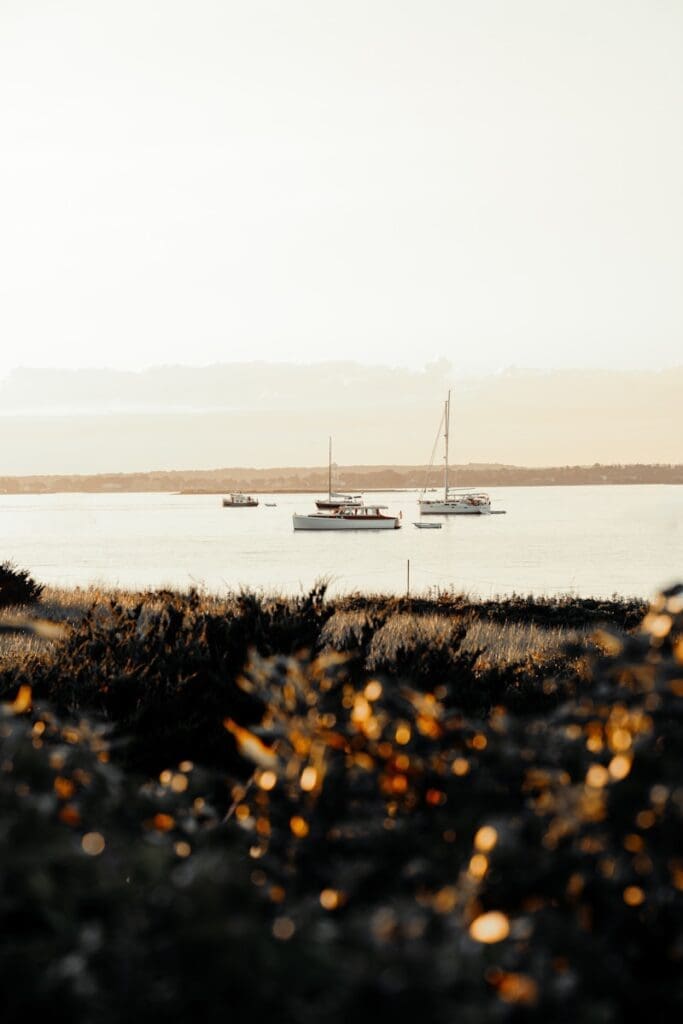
(583, 540)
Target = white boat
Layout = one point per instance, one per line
(455, 501)
(364, 517)
(428, 526)
(334, 499)
(239, 500)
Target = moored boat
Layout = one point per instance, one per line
(238, 500)
(364, 517)
(455, 501)
(334, 499)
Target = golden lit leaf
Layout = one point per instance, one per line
(22, 701)
(182, 849)
(491, 927)
(299, 826)
(460, 766)
(364, 761)
(251, 746)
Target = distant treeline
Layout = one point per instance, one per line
(360, 478)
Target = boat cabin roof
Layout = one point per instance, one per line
(362, 508)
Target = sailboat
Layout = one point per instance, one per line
(334, 499)
(455, 501)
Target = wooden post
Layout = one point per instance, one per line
(408, 579)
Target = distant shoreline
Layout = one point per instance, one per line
(358, 479)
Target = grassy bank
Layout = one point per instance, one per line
(321, 809)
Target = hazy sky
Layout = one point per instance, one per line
(493, 181)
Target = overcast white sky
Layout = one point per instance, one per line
(493, 181)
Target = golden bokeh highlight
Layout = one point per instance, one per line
(93, 843)
(491, 927)
(485, 839)
(633, 896)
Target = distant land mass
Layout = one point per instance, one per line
(76, 422)
(346, 478)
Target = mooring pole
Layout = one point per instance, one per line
(408, 578)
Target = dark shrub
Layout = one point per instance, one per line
(17, 587)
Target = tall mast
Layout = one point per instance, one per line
(447, 416)
(329, 471)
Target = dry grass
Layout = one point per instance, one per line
(501, 643)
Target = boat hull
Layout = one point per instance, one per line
(452, 508)
(323, 522)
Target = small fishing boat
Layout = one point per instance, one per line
(271, 504)
(364, 517)
(428, 526)
(238, 500)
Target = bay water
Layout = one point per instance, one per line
(587, 541)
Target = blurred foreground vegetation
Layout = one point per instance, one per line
(324, 810)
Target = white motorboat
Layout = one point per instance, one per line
(238, 500)
(428, 526)
(334, 499)
(455, 501)
(364, 517)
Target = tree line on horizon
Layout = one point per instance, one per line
(361, 478)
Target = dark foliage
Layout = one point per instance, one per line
(387, 848)
(17, 586)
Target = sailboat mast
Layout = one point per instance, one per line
(329, 471)
(447, 416)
